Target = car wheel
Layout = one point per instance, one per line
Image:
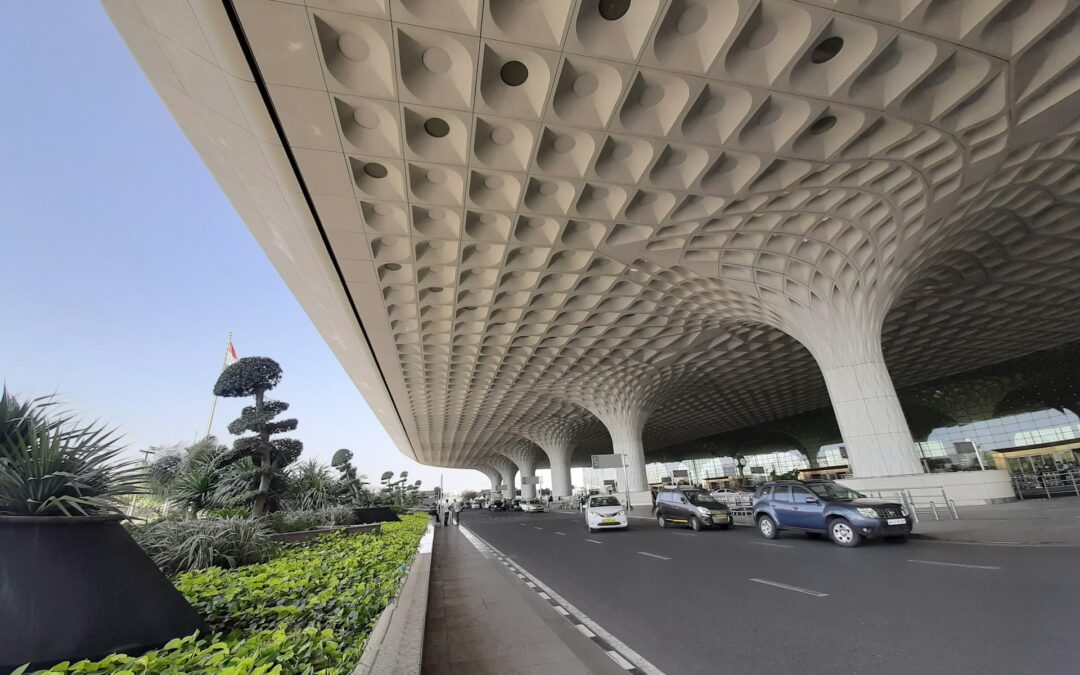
(695, 524)
(897, 538)
(767, 526)
(843, 534)
(660, 520)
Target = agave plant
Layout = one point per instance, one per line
(53, 465)
(312, 486)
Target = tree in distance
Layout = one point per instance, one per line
(352, 481)
(254, 376)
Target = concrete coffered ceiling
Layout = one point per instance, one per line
(511, 216)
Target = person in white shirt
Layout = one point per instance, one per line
(457, 511)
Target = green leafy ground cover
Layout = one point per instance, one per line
(308, 610)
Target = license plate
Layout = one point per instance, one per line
(897, 521)
(720, 519)
(609, 521)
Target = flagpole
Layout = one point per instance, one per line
(213, 403)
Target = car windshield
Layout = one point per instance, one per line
(701, 499)
(604, 501)
(834, 492)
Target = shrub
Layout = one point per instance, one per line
(298, 521)
(182, 545)
(57, 466)
(308, 610)
(217, 514)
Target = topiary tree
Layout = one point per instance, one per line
(352, 481)
(254, 376)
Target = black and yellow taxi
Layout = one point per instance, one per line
(691, 507)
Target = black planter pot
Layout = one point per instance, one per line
(375, 514)
(81, 588)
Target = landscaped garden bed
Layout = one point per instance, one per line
(308, 609)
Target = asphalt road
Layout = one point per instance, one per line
(733, 602)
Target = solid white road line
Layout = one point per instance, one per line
(653, 555)
(632, 656)
(593, 541)
(777, 584)
(685, 534)
(769, 543)
(949, 564)
(641, 517)
(585, 630)
(617, 658)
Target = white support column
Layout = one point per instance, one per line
(625, 426)
(508, 483)
(560, 473)
(524, 455)
(864, 401)
(507, 470)
(556, 440)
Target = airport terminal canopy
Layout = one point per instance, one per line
(529, 229)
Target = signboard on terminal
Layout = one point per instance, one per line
(609, 482)
(612, 461)
(666, 480)
(680, 473)
(757, 469)
(530, 480)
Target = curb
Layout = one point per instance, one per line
(396, 643)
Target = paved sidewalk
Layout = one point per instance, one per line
(482, 619)
(1032, 522)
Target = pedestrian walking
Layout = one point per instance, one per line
(457, 511)
(446, 513)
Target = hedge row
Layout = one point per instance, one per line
(308, 610)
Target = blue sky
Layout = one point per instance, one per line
(125, 267)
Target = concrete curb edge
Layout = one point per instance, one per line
(396, 643)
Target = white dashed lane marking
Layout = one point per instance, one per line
(948, 564)
(653, 555)
(593, 541)
(805, 591)
(766, 543)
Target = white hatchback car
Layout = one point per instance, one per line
(532, 505)
(603, 512)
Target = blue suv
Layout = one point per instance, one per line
(817, 506)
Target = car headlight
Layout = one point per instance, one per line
(904, 511)
(868, 513)
(703, 511)
(621, 513)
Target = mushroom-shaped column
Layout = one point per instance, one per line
(525, 455)
(622, 399)
(872, 423)
(507, 470)
(625, 421)
(558, 438)
(491, 474)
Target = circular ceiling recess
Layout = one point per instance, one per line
(823, 124)
(827, 49)
(436, 127)
(375, 170)
(514, 73)
(613, 10)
